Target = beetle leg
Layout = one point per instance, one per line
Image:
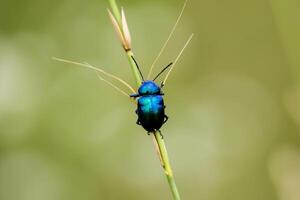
(161, 135)
(166, 119)
(134, 96)
(138, 122)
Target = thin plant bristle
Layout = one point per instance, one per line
(96, 69)
(168, 39)
(177, 58)
(112, 85)
(115, 87)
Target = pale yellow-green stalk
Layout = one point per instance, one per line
(121, 27)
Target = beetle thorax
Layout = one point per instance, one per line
(149, 88)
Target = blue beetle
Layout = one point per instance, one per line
(150, 104)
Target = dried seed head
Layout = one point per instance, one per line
(117, 28)
(121, 30)
(125, 30)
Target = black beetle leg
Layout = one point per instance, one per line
(161, 135)
(134, 96)
(148, 133)
(166, 119)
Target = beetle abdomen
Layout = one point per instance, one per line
(151, 112)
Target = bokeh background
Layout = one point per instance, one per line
(233, 101)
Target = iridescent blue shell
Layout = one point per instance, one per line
(151, 108)
(149, 87)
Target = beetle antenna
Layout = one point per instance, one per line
(98, 70)
(162, 71)
(180, 53)
(138, 67)
(166, 42)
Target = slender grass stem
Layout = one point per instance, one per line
(115, 10)
(163, 153)
(158, 140)
(134, 68)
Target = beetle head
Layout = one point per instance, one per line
(149, 88)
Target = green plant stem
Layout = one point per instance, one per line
(115, 10)
(159, 142)
(134, 68)
(166, 165)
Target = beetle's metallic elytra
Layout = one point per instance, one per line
(150, 106)
(150, 103)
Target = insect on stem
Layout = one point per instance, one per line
(98, 70)
(167, 41)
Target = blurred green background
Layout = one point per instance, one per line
(233, 101)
